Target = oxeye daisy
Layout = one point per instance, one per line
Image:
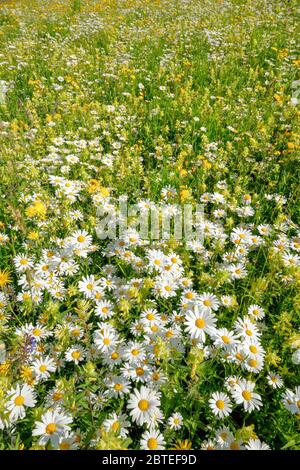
(104, 309)
(105, 339)
(246, 328)
(23, 262)
(274, 380)
(135, 353)
(256, 312)
(225, 338)
(75, 354)
(118, 424)
(199, 322)
(89, 286)
(208, 302)
(143, 404)
(68, 442)
(243, 394)
(81, 239)
(256, 444)
(18, 399)
(220, 404)
(53, 425)
(175, 421)
(43, 368)
(224, 437)
(117, 386)
(152, 440)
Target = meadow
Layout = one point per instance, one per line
(136, 342)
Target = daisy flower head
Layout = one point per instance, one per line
(81, 239)
(75, 354)
(220, 404)
(119, 424)
(152, 440)
(90, 287)
(19, 398)
(175, 421)
(208, 302)
(105, 339)
(274, 380)
(256, 444)
(22, 263)
(135, 353)
(143, 404)
(244, 394)
(256, 312)
(43, 368)
(117, 386)
(54, 424)
(104, 309)
(199, 322)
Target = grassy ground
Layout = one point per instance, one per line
(133, 97)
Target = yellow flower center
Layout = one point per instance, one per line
(207, 303)
(150, 316)
(64, 446)
(234, 445)
(89, 286)
(106, 341)
(168, 288)
(139, 371)
(220, 404)
(157, 262)
(43, 368)
(118, 387)
(75, 354)
(255, 311)
(253, 349)
(36, 332)
(248, 332)
(225, 339)
(247, 395)
(51, 428)
(152, 443)
(189, 295)
(23, 261)
(19, 400)
(252, 362)
(81, 239)
(200, 323)
(115, 426)
(104, 310)
(114, 355)
(57, 396)
(135, 352)
(143, 405)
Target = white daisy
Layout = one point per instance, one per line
(152, 440)
(18, 399)
(220, 404)
(143, 404)
(199, 322)
(53, 425)
(175, 421)
(243, 394)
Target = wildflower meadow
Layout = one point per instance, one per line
(149, 225)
